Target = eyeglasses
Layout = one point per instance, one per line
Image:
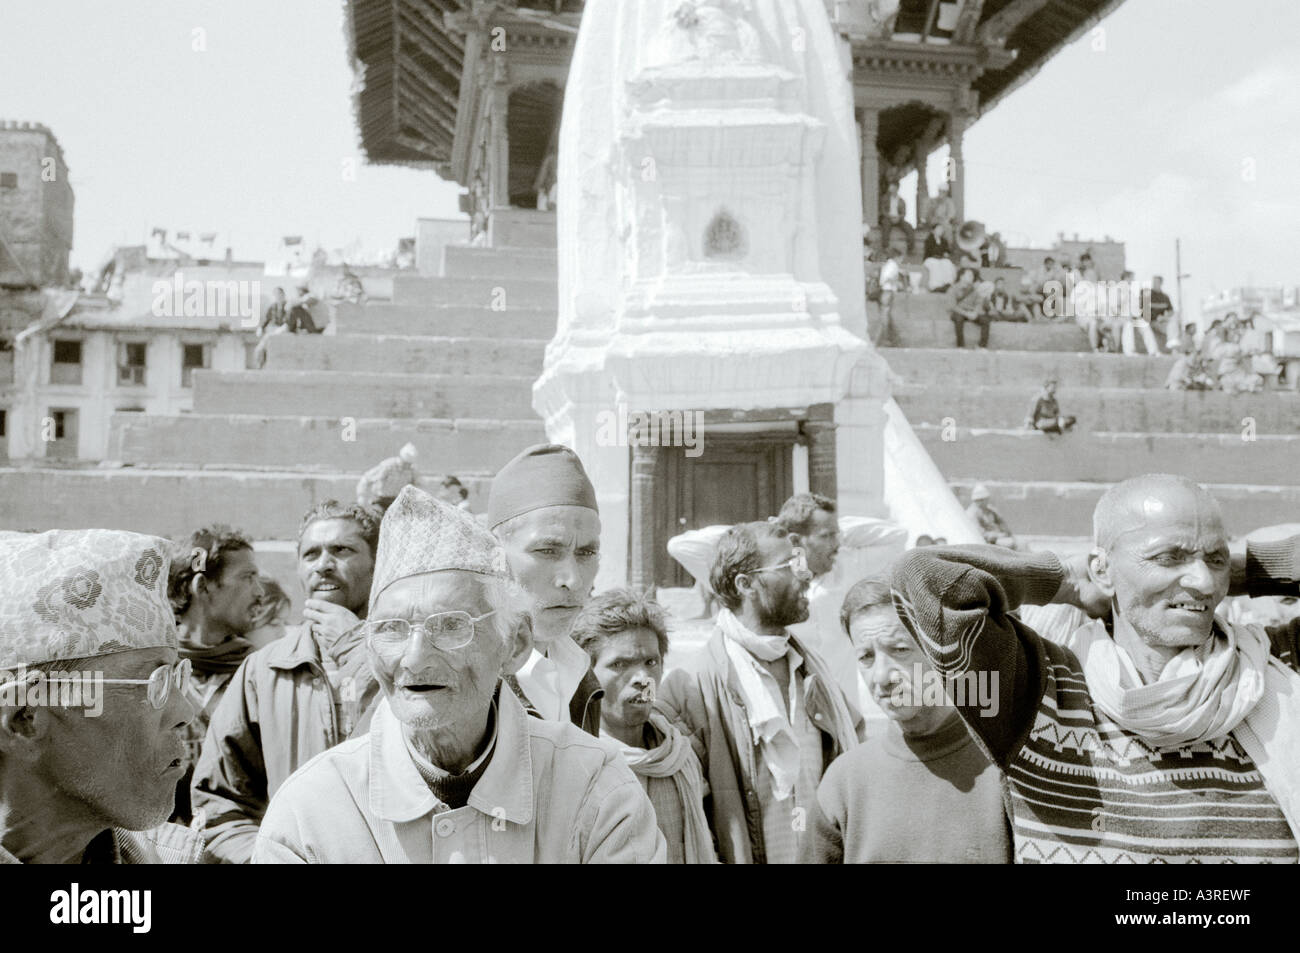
(160, 681)
(446, 630)
(797, 564)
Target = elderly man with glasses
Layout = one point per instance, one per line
(764, 712)
(92, 701)
(453, 769)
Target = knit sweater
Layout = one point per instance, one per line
(1082, 789)
(914, 800)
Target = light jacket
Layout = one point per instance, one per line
(550, 794)
(705, 703)
(276, 715)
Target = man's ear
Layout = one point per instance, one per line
(1099, 571)
(518, 645)
(22, 729)
(198, 585)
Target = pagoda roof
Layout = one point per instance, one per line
(408, 61)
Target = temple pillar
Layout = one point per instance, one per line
(868, 126)
(641, 548)
(959, 118)
(822, 460)
(500, 141)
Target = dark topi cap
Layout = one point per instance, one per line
(547, 474)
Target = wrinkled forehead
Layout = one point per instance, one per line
(429, 593)
(573, 525)
(877, 624)
(1149, 517)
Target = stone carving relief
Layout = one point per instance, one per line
(716, 31)
(724, 238)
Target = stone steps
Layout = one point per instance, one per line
(173, 503)
(1020, 455)
(1065, 508)
(500, 292)
(316, 443)
(1106, 409)
(453, 321)
(359, 395)
(466, 261)
(921, 321)
(1027, 368)
(404, 354)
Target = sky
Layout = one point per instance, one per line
(1181, 119)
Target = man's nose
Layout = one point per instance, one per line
(566, 573)
(884, 673)
(1199, 578)
(418, 651)
(180, 708)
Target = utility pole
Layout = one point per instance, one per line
(1178, 277)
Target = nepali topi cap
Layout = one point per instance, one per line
(73, 594)
(421, 534)
(547, 474)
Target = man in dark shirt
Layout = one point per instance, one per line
(1045, 413)
(967, 306)
(300, 312)
(1160, 307)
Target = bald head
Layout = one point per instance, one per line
(1152, 498)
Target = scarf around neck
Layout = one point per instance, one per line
(221, 659)
(674, 758)
(1228, 685)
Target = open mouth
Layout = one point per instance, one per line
(1198, 608)
(423, 688)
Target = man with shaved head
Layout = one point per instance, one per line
(1156, 731)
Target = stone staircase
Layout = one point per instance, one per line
(968, 407)
(447, 364)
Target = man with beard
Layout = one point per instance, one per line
(627, 639)
(1163, 735)
(298, 696)
(765, 714)
(92, 701)
(543, 509)
(215, 592)
(453, 770)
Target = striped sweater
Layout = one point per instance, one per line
(1081, 789)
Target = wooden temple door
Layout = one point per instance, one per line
(738, 478)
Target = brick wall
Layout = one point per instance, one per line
(36, 213)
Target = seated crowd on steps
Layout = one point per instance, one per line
(457, 692)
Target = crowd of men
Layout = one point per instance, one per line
(457, 692)
(1232, 356)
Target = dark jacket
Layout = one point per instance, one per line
(277, 714)
(584, 706)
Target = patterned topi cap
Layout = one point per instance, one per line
(72, 594)
(421, 534)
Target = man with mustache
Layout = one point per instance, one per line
(298, 696)
(92, 702)
(626, 637)
(1163, 735)
(215, 592)
(543, 509)
(453, 769)
(759, 692)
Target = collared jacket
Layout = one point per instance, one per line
(705, 703)
(549, 794)
(277, 714)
